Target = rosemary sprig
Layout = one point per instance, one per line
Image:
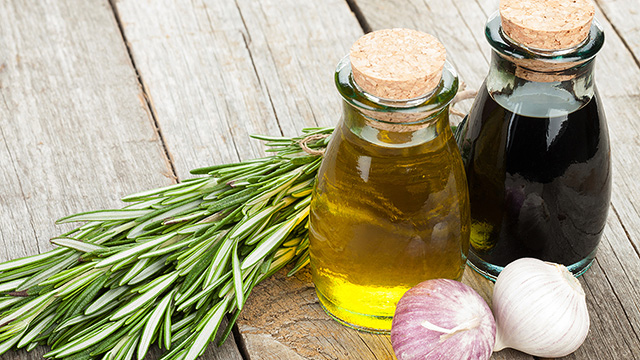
(169, 266)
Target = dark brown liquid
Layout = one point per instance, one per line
(539, 187)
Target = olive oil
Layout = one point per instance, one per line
(384, 219)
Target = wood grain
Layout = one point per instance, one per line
(216, 72)
(196, 70)
(296, 46)
(74, 134)
(612, 295)
(219, 71)
(281, 84)
(624, 15)
(285, 313)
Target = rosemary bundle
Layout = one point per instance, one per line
(169, 266)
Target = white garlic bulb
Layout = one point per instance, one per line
(540, 309)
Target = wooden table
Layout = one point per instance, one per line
(101, 99)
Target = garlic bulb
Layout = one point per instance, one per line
(540, 309)
(442, 319)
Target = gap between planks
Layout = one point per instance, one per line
(362, 20)
(620, 34)
(149, 108)
(146, 102)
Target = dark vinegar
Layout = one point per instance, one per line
(539, 186)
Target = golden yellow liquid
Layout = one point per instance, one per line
(383, 219)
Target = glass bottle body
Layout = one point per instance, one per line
(390, 210)
(537, 159)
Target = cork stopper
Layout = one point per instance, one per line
(397, 64)
(547, 24)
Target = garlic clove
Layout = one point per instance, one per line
(540, 309)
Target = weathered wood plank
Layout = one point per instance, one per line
(218, 71)
(296, 46)
(615, 67)
(618, 257)
(284, 313)
(624, 15)
(197, 71)
(74, 133)
(612, 292)
(265, 68)
(283, 317)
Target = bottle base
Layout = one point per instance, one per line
(491, 271)
(361, 322)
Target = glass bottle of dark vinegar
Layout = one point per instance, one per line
(536, 148)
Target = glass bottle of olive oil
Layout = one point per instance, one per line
(535, 144)
(390, 208)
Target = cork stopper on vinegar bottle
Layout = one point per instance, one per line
(397, 64)
(547, 24)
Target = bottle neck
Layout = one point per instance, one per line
(393, 135)
(534, 91)
(541, 83)
(395, 123)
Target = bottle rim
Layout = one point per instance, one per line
(427, 106)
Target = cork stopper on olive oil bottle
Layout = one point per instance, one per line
(397, 64)
(390, 206)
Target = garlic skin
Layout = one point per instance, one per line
(540, 309)
(442, 319)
